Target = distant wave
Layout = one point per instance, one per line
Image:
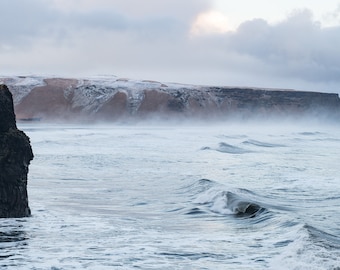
(228, 148)
(308, 133)
(262, 144)
(240, 136)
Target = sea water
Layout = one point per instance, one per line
(222, 196)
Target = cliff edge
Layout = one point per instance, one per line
(15, 156)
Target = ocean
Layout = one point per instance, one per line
(199, 196)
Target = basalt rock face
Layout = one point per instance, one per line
(15, 156)
(117, 99)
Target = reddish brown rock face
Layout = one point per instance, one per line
(15, 156)
(115, 108)
(49, 101)
(154, 101)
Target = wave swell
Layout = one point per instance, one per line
(242, 207)
(262, 144)
(228, 148)
(209, 196)
(280, 228)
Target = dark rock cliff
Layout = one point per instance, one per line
(15, 156)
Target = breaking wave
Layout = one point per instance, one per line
(294, 241)
(210, 196)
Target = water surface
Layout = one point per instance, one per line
(179, 197)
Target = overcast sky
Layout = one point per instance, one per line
(263, 43)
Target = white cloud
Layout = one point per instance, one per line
(295, 48)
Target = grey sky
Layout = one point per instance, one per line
(186, 41)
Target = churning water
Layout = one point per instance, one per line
(178, 197)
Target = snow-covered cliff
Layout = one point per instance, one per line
(116, 99)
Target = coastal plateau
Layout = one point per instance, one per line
(113, 99)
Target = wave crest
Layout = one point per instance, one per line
(216, 199)
(227, 148)
(262, 144)
(242, 207)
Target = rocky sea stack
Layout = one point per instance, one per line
(15, 156)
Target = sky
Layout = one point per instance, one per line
(288, 44)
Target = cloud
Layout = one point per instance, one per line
(113, 36)
(297, 47)
(26, 21)
(333, 17)
(155, 41)
(22, 19)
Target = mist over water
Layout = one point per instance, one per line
(218, 196)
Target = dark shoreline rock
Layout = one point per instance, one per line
(15, 156)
